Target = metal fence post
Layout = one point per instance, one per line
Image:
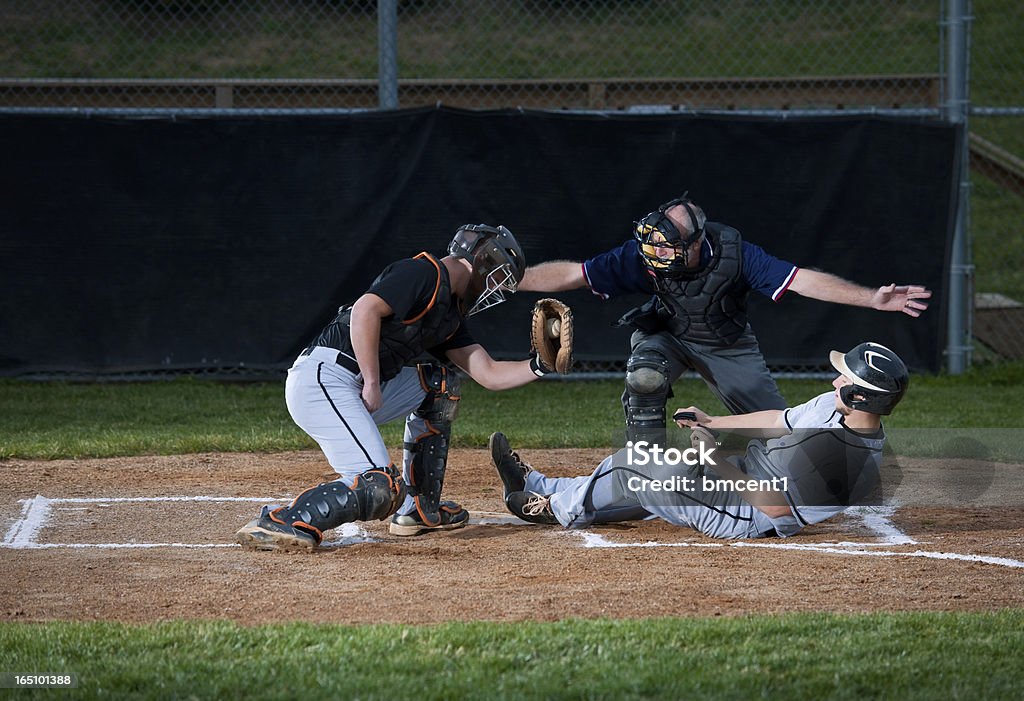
(387, 52)
(958, 343)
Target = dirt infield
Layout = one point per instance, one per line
(88, 540)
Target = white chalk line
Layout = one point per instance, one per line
(596, 540)
(119, 546)
(1004, 561)
(115, 500)
(875, 518)
(37, 511)
(878, 520)
(34, 514)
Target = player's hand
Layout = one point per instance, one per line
(371, 396)
(701, 417)
(908, 299)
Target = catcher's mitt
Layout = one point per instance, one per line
(551, 335)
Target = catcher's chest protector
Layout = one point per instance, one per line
(402, 341)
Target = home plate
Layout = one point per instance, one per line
(490, 518)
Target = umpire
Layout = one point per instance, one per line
(700, 274)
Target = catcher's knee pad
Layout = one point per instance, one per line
(441, 405)
(647, 390)
(430, 448)
(373, 495)
(380, 492)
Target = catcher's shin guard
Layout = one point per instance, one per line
(427, 453)
(647, 390)
(374, 495)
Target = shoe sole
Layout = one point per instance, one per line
(400, 530)
(496, 461)
(252, 537)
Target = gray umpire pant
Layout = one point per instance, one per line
(736, 374)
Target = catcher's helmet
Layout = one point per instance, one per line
(663, 247)
(498, 264)
(878, 375)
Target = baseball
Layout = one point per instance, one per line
(553, 327)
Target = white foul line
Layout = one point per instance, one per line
(114, 500)
(1004, 561)
(596, 540)
(875, 518)
(118, 546)
(35, 513)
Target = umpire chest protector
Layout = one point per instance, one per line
(710, 306)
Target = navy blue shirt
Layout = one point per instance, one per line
(621, 271)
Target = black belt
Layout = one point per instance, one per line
(343, 360)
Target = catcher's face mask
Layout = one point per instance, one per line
(498, 264)
(664, 248)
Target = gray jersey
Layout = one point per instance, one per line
(826, 468)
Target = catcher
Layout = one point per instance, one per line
(806, 464)
(361, 371)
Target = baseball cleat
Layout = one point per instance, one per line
(268, 533)
(511, 468)
(452, 516)
(532, 507)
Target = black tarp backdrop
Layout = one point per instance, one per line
(157, 244)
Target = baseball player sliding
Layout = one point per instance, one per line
(361, 371)
(700, 274)
(809, 463)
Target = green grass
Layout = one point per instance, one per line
(58, 420)
(484, 39)
(996, 214)
(495, 39)
(906, 656)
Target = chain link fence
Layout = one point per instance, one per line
(734, 55)
(548, 54)
(996, 125)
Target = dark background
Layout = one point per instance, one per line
(137, 244)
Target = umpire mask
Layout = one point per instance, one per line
(665, 250)
(498, 265)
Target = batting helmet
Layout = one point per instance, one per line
(498, 264)
(663, 246)
(878, 375)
